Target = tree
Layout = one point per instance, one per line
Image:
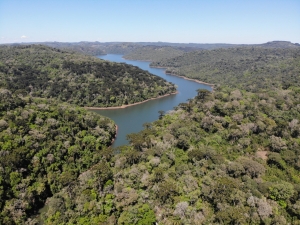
(281, 192)
(161, 114)
(202, 94)
(277, 143)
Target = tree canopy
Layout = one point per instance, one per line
(46, 72)
(230, 156)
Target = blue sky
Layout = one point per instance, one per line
(183, 21)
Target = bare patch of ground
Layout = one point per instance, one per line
(262, 154)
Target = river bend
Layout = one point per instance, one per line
(131, 119)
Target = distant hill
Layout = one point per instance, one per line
(124, 48)
(279, 44)
(270, 67)
(160, 52)
(157, 53)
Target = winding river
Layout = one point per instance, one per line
(131, 119)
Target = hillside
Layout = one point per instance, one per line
(89, 48)
(44, 146)
(75, 78)
(99, 48)
(226, 157)
(230, 156)
(156, 53)
(239, 67)
(95, 48)
(279, 44)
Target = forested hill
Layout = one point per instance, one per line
(89, 48)
(98, 48)
(157, 53)
(225, 157)
(239, 67)
(44, 146)
(230, 156)
(94, 48)
(47, 72)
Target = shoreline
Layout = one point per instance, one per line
(137, 60)
(187, 78)
(129, 105)
(165, 68)
(191, 79)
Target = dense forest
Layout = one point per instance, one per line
(230, 156)
(46, 72)
(124, 48)
(156, 53)
(89, 48)
(44, 146)
(99, 48)
(239, 67)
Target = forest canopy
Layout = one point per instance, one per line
(157, 53)
(44, 146)
(248, 68)
(46, 72)
(230, 156)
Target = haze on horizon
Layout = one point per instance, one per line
(216, 21)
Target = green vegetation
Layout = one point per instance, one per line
(46, 72)
(44, 146)
(230, 156)
(155, 53)
(94, 48)
(46, 143)
(248, 68)
(226, 157)
(124, 48)
(89, 48)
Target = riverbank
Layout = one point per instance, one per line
(137, 60)
(186, 78)
(125, 106)
(131, 119)
(191, 79)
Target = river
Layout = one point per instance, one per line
(131, 119)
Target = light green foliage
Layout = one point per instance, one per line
(139, 215)
(41, 151)
(220, 175)
(281, 192)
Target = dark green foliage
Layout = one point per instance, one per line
(249, 68)
(46, 72)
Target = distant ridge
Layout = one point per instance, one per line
(101, 48)
(280, 44)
